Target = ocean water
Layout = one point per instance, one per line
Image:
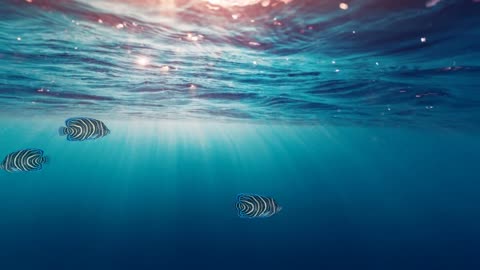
(360, 118)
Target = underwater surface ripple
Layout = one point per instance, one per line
(378, 62)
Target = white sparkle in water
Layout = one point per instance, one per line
(192, 37)
(19, 38)
(337, 70)
(120, 26)
(165, 68)
(343, 6)
(254, 62)
(423, 39)
(100, 21)
(143, 61)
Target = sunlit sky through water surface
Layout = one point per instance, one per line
(371, 62)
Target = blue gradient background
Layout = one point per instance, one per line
(162, 196)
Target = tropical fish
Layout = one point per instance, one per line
(24, 161)
(256, 206)
(82, 129)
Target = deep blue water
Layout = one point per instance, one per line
(362, 123)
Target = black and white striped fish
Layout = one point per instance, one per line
(82, 129)
(24, 161)
(256, 206)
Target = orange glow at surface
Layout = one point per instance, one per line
(230, 3)
(242, 3)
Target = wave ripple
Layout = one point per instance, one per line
(378, 62)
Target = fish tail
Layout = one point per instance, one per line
(45, 159)
(62, 131)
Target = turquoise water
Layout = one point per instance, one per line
(162, 194)
(362, 123)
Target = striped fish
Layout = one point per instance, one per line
(256, 206)
(82, 129)
(24, 161)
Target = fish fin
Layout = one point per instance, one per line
(62, 131)
(71, 138)
(243, 215)
(38, 168)
(38, 152)
(245, 197)
(12, 170)
(265, 215)
(72, 120)
(241, 196)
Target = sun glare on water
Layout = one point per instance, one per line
(230, 3)
(143, 61)
(242, 3)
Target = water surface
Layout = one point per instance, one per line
(377, 62)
